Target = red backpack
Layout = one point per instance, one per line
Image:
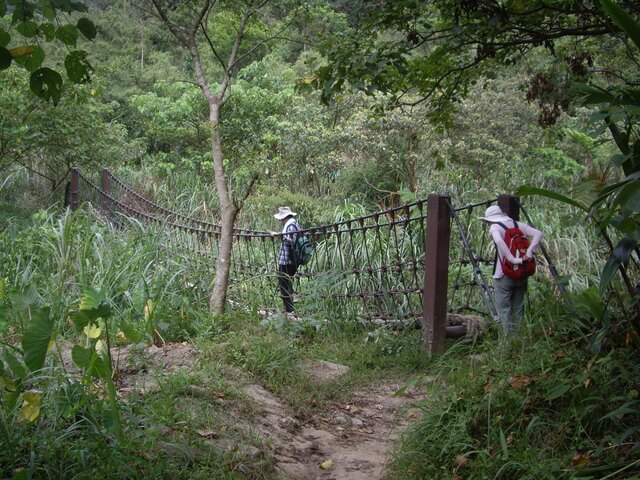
(518, 243)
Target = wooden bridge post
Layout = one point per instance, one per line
(106, 187)
(510, 206)
(436, 274)
(74, 199)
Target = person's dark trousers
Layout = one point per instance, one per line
(285, 274)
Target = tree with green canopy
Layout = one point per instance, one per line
(219, 40)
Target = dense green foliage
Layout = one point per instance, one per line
(560, 401)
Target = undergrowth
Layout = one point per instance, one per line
(544, 405)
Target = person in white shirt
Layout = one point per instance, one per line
(509, 293)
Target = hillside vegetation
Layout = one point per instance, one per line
(121, 358)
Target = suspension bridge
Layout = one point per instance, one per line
(412, 264)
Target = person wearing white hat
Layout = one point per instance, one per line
(509, 293)
(286, 264)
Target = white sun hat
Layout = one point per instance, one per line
(284, 212)
(494, 214)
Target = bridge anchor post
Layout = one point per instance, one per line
(436, 274)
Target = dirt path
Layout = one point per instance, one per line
(347, 441)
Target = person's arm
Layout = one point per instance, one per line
(497, 234)
(536, 237)
(289, 236)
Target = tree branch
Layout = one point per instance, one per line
(247, 190)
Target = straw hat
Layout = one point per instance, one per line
(494, 214)
(284, 212)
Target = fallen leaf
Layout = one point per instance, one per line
(519, 381)
(487, 386)
(580, 461)
(461, 461)
(326, 465)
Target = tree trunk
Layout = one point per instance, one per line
(218, 298)
(229, 210)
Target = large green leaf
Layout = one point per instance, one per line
(82, 356)
(629, 198)
(5, 38)
(89, 359)
(77, 66)
(87, 28)
(543, 192)
(592, 95)
(619, 256)
(5, 58)
(27, 29)
(67, 34)
(16, 366)
(47, 84)
(92, 306)
(32, 61)
(623, 20)
(36, 338)
(25, 301)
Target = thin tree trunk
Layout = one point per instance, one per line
(218, 298)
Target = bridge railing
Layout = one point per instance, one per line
(418, 262)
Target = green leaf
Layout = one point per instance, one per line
(48, 30)
(543, 192)
(36, 338)
(5, 58)
(34, 61)
(3, 8)
(15, 365)
(82, 356)
(89, 359)
(503, 445)
(623, 20)
(591, 95)
(47, 84)
(90, 299)
(23, 12)
(87, 28)
(558, 390)
(619, 256)
(67, 34)
(26, 300)
(5, 38)
(629, 197)
(48, 13)
(77, 66)
(28, 29)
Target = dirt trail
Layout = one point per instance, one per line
(350, 441)
(345, 441)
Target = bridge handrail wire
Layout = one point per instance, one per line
(477, 272)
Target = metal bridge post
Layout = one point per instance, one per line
(106, 188)
(75, 185)
(510, 206)
(436, 274)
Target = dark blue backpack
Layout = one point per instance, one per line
(302, 249)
